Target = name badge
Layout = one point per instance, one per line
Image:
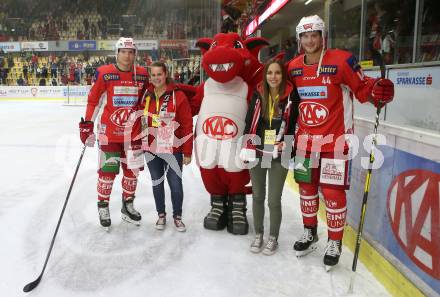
(270, 137)
(155, 120)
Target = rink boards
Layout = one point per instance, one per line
(403, 213)
(66, 94)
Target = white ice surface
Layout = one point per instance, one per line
(39, 149)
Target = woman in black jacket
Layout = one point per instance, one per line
(272, 115)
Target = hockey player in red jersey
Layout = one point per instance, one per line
(118, 88)
(327, 80)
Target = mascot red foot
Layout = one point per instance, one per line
(221, 104)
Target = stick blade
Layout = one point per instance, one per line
(351, 286)
(30, 286)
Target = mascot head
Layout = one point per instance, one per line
(227, 56)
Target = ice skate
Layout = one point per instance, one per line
(307, 243)
(129, 214)
(104, 215)
(332, 253)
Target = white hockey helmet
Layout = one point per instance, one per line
(310, 24)
(125, 42)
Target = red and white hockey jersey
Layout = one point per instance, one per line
(120, 95)
(326, 107)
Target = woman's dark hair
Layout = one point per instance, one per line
(266, 87)
(165, 70)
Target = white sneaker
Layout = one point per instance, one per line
(271, 246)
(161, 222)
(180, 226)
(257, 244)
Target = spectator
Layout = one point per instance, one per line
(53, 70)
(34, 60)
(38, 74)
(3, 75)
(54, 82)
(64, 80)
(10, 62)
(89, 80)
(42, 82)
(25, 70)
(86, 24)
(89, 69)
(77, 76)
(44, 71)
(20, 81)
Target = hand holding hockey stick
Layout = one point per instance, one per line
(30, 286)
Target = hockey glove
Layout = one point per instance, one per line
(86, 134)
(382, 92)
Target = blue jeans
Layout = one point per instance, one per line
(171, 166)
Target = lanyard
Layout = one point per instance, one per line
(165, 103)
(272, 108)
(157, 102)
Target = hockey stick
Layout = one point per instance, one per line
(30, 286)
(366, 188)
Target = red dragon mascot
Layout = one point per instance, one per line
(221, 104)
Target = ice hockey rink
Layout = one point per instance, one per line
(39, 149)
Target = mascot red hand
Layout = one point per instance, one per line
(221, 103)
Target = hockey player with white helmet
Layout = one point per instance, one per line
(118, 88)
(327, 80)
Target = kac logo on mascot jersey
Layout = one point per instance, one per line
(414, 210)
(313, 114)
(220, 128)
(120, 116)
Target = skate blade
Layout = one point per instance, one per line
(312, 248)
(129, 220)
(106, 229)
(328, 268)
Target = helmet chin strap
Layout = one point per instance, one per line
(134, 68)
(320, 61)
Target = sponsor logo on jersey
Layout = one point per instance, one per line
(353, 63)
(120, 117)
(111, 76)
(329, 69)
(296, 72)
(122, 90)
(413, 210)
(122, 101)
(313, 92)
(220, 128)
(332, 171)
(313, 114)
